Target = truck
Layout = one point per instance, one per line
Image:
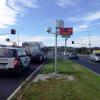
(35, 51)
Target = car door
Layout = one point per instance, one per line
(25, 58)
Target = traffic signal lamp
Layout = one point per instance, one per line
(72, 42)
(13, 31)
(7, 39)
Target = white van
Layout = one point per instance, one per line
(15, 59)
(95, 56)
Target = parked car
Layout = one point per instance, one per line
(13, 59)
(73, 55)
(95, 56)
(35, 51)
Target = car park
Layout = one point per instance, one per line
(14, 59)
(95, 56)
(73, 55)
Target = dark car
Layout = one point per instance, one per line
(73, 55)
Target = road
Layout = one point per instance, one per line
(8, 82)
(85, 61)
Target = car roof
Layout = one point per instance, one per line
(14, 48)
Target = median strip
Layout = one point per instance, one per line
(20, 86)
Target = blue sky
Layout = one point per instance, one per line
(31, 17)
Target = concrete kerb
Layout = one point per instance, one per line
(20, 86)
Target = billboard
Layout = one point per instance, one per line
(66, 31)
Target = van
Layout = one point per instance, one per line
(13, 59)
(95, 56)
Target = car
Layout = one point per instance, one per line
(14, 59)
(73, 55)
(95, 56)
(35, 51)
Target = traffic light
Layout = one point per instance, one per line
(72, 42)
(13, 31)
(7, 39)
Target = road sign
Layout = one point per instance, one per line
(65, 36)
(66, 31)
(59, 23)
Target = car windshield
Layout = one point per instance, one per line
(7, 52)
(97, 54)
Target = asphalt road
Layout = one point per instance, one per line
(9, 82)
(85, 61)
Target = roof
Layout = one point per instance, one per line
(11, 48)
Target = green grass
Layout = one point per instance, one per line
(86, 85)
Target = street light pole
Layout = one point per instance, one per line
(89, 44)
(56, 51)
(18, 38)
(65, 47)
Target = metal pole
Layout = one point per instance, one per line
(65, 48)
(18, 38)
(89, 44)
(56, 51)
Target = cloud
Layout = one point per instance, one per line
(92, 16)
(84, 40)
(47, 40)
(81, 27)
(86, 21)
(21, 5)
(66, 3)
(7, 15)
(10, 9)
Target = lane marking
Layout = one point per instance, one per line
(28, 78)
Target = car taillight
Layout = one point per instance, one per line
(16, 61)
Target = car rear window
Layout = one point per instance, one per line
(97, 54)
(7, 53)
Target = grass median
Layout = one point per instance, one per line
(85, 86)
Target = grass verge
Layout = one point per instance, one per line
(86, 85)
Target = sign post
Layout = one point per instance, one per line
(66, 32)
(59, 24)
(56, 52)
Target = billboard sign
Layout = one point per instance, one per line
(66, 31)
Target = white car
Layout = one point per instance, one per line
(14, 59)
(95, 56)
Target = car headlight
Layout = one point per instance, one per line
(97, 58)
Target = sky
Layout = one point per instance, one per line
(30, 18)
